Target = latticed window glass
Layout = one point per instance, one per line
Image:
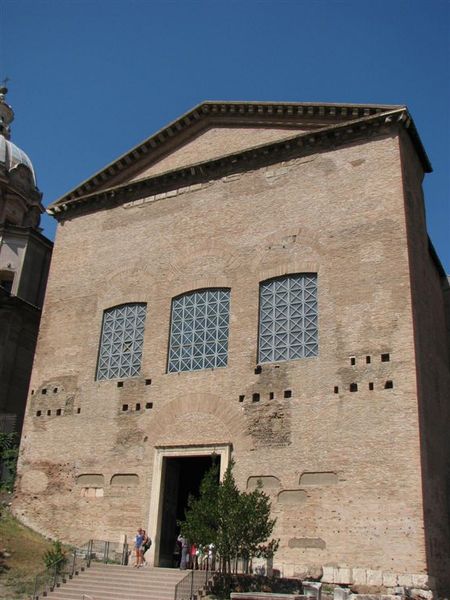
(199, 330)
(288, 318)
(121, 341)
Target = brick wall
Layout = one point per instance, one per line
(338, 213)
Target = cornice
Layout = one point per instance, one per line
(297, 145)
(24, 232)
(222, 112)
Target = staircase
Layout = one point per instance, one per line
(115, 582)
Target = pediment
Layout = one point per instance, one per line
(212, 143)
(214, 129)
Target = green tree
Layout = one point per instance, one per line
(201, 524)
(229, 518)
(257, 529)
(237, 523)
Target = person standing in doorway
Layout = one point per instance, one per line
(184, 552)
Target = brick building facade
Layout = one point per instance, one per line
(253, 281)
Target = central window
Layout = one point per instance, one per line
(199, 330)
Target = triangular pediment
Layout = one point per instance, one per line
(214, 129)
(213, 143)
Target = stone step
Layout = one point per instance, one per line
(143, 572)
(78, 595)
(118, 586)
(136, 576)
(116, 582)
(108, 595)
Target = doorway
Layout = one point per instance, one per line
(181, 477)
(177, 472)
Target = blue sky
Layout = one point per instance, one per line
(91, 79)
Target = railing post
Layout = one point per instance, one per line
(89, 553)
(54, 575)
(106, 552)
(35, 587)
(74, 560)
(192, 584)
(124, 553)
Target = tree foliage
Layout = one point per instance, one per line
(237, 523)
(55, 558)
(202, 518)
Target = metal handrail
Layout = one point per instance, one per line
(189, 586)
(55, 574)
(77, 560)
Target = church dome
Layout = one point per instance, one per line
(12, 156)
(20, 198)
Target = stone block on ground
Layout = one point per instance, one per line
(312, 589)
(421, 594)
(341, 593)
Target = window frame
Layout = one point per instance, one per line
(121, 374)
(273, 349)
(216, 340)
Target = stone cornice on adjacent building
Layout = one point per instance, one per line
(302, 144)
(27, 232)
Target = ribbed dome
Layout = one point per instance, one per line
(11, 156)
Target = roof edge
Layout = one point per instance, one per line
(213, 108)
(284, 149)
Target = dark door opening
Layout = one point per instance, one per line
(181, 477)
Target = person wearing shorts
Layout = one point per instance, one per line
(138, 541)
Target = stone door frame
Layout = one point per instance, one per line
(222, 450)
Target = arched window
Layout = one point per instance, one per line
(121, 341)
(199, 330)
(288, 318)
